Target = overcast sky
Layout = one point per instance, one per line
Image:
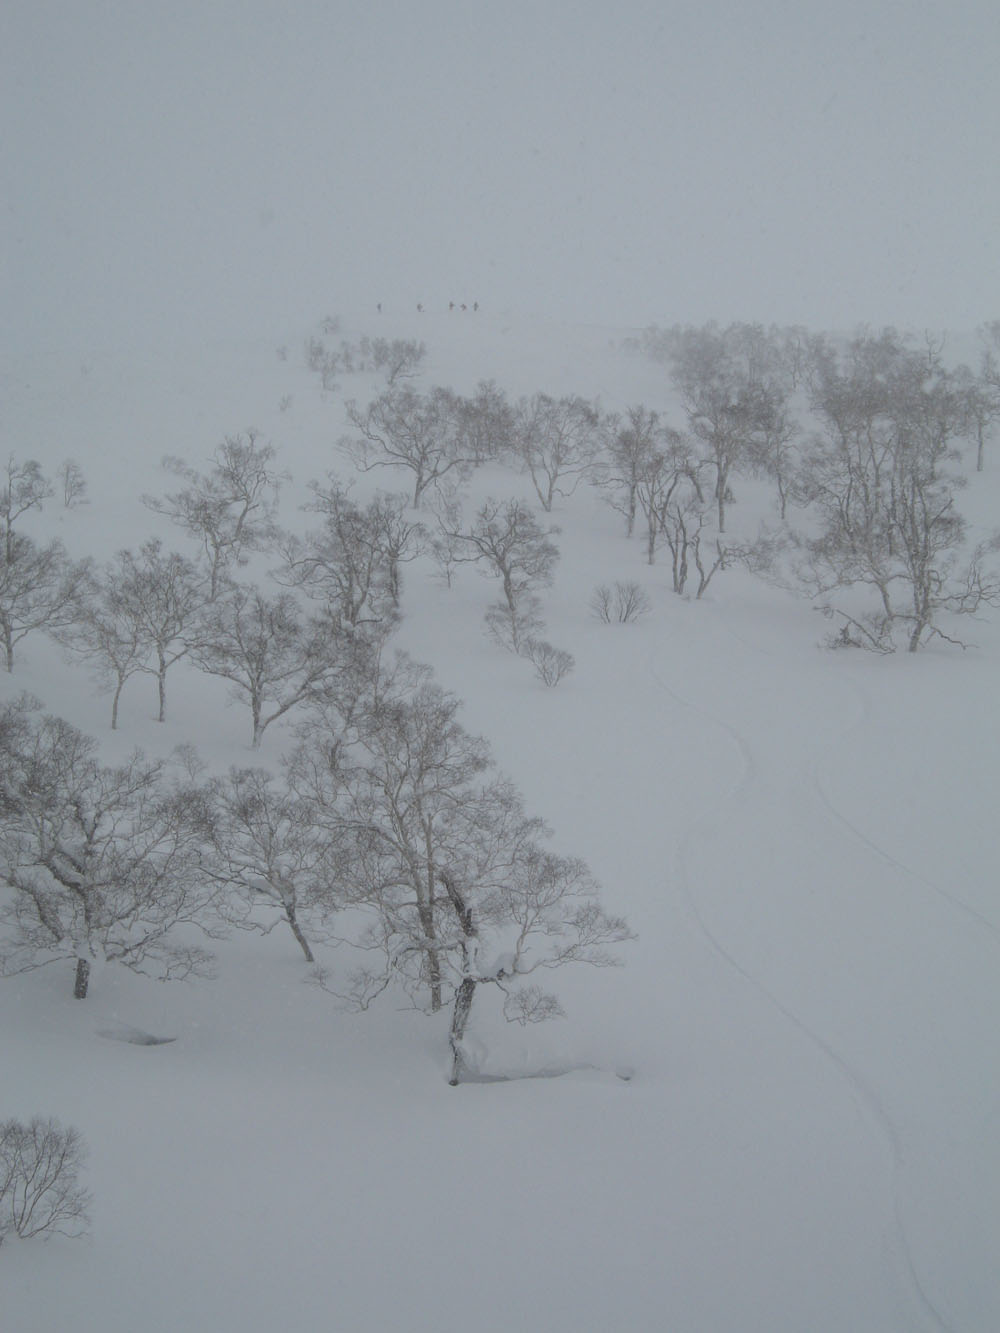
(219, 164)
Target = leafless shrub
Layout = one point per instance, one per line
(551, 664)
(622, 604)
(39, 1192)
(512, 627)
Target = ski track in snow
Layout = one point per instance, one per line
(816, 783)
(814, 777)
(740, 793)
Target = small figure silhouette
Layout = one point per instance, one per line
(420, 308)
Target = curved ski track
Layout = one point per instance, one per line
(739, 794)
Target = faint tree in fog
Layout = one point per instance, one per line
(880, 478)
(159, 593)
(556, 442)
(628, 445)
(72, 484)
(270, 654)
(23, 487)
(733, 386)
(352, 564)
(418, 432)
(230, 509)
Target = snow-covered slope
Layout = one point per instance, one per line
(783, 1113)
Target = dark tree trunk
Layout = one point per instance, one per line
(293, 921)
(82, 979)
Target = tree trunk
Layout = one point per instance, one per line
(161, 684)
(114, 705)
(293, 921)
(459, 1022)
(82, 979)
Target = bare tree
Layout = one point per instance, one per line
(267, 847)
(983, 394)
(402, 428)
(103, 861)
(734, 391)
(40, 1193)
(271, 655)
(106, 635)
(399, 538)
(506, 540)
(398, 358)
(683, 520)
(352, 564)
(448, 868)
(665, 472)
(629, 446)
(23, 487)
(388, 799)
(159, 594)
(231, 509)
(73, 484)
(40, 589)
(556, 442)
(485, 423)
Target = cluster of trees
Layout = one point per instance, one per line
(863, 437)
(396, 359)
(387, 815)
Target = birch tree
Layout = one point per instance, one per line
(508, 543)
(41, 588)
(231, 509)
(271, 655)
(556, 442)
(267, 850)
(451, 873)
(104, 861)
(420, 433)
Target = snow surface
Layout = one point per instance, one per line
(782, 1114)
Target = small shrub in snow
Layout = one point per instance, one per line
(621, 604)
(39, 1192)
(550, 664)
(512, 628)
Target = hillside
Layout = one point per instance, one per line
(780, 1114)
